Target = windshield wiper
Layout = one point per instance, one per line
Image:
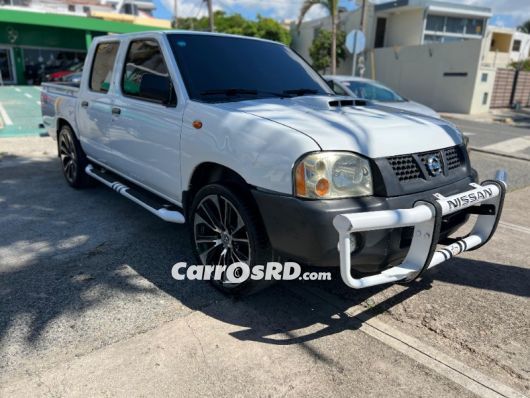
(300, 91)
(229, 91)
(232, 92)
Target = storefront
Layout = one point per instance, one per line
(35, 45)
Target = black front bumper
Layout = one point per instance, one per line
(302, 230)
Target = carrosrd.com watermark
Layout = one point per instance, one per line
(240, 272)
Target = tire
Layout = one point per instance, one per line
(73, 159)
(241, 234)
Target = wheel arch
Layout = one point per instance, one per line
(61, 122)
(209, 173)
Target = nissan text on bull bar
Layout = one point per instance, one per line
(244, 142)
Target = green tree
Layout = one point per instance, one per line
(525, 27)
(321, 50)
(236, 24)
(522, 65)
(333, 9)
(268, 28)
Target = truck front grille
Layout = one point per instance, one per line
(405, 167)
(414, 166)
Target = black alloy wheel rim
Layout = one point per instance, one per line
(68, 157)
(220, 234)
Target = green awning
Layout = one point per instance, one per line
(70, 22)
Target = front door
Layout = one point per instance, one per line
(145, 133)
(380, 31)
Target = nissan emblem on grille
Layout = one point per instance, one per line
(434, 165)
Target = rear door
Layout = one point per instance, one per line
(145, 134)
(94, 108)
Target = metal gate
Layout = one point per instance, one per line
(511, 87)
(502, 88)
(522, 89)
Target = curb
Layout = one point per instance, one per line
(506, 155)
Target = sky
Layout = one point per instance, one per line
(508, 13)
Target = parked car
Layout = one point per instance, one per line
(263, 161)
(375, 92)
(73, 78)
(61, 74)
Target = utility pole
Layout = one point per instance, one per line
(175, 14)
(210, 15)
(363, 13)
(361, 28)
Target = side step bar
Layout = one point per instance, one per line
(155, 207)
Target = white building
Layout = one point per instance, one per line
(142, 8)
(502, 46)
(430, 51)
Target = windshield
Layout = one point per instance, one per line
(220, 68)
(373, 91)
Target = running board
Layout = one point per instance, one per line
(153, 206)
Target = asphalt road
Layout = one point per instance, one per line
(88, 307)
(495, 138)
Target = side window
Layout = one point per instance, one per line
(101, 74)
(145, 74)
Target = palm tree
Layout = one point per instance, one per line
(333, 9)
(525, 27)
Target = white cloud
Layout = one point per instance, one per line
(289, 9)
(518, 9)
(278, 9)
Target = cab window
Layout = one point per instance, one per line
(144, 61)
(101, 73)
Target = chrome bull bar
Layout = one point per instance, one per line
(425, 216)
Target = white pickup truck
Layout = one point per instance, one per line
(243, 140)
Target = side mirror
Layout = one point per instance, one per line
(157, 88)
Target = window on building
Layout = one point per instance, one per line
(130, 9)
(44, 64)
(455, 25)
(144, 57)
(380, 31)
(71, 7)
(435, 23)
(484, 78)
(432, 39)
(6, 65)
(445, 29)
(102, 67)
(474, 26)
(441, 39)
(485, 99)
(516, 45)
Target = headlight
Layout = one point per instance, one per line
(332, 175)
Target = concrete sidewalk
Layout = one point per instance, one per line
(253, 353)
(88, 308)
(517, 118)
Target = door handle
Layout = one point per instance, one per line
(116, 111)
(84, 104)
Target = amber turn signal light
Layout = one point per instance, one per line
(300, 180)
(197, 124)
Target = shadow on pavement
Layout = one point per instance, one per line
(65, 251)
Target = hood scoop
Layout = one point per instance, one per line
(320, 102)
(346, 102)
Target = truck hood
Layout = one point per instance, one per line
(334, 123)
(410, 106)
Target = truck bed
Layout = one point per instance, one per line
(58, 100)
